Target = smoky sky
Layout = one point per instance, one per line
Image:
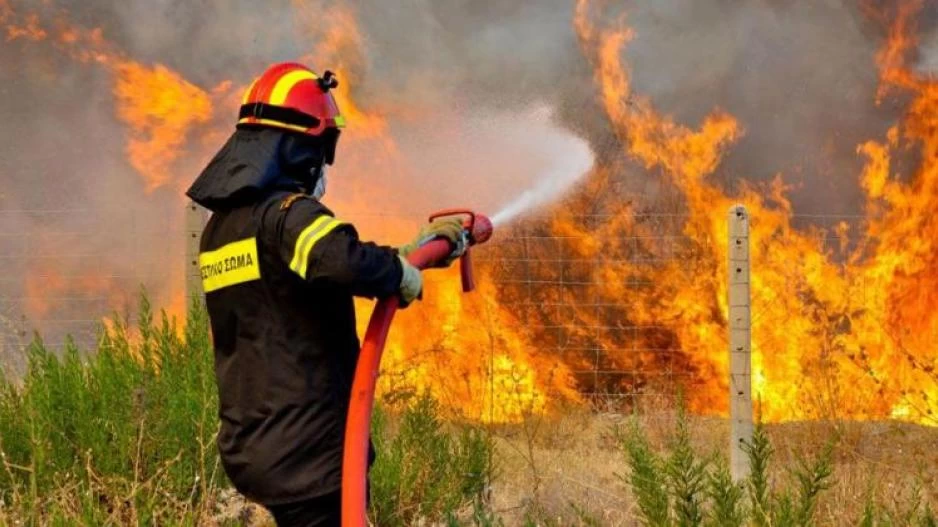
(800, 76)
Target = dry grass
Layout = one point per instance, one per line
(568, 471)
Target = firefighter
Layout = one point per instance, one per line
(280, 273)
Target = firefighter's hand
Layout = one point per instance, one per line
(411, 283)
(451, 228)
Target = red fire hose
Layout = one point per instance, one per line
(478, 229)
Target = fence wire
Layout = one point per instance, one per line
(590, 310)
(65, 270)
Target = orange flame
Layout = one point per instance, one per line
(157, 104)
(829, 339)
(46, 284)
(159, 107)
(472, 354)
(340, 48)
(30, 30)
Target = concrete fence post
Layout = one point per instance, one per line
(740, 381)
(195, 222)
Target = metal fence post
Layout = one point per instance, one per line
(741, 425)
(195, 221)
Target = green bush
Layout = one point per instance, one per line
(680, 487)
(123, 434)
(427, 469)
(900, 510)
(126, 435)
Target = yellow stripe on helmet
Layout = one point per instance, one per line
(278, 96)
(308, 239)
(247, 95)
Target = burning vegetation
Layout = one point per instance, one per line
(843, 331)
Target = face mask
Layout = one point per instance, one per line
(320, 189)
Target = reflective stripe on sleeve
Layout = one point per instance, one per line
(308, 239)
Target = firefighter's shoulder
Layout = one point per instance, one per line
(283, 216)
(306, 226)
(298, 215)
(299, 209)
(302, 201)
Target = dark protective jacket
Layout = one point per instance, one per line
(280, 273)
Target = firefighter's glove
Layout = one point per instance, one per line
(451, 228)
(411, 283)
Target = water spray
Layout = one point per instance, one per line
(477, 229)
(573, 160)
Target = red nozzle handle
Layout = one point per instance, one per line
(465, 261)
(465, 272)
(479, 229)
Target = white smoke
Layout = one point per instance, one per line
(929, 55)
(487, 160)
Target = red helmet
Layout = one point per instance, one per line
(292, 97)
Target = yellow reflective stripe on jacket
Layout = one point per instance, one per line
(235, 263)
(308, 239)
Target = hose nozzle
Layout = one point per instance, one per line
(479, 229)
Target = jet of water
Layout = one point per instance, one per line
(574, 158)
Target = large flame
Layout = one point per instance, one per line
(837, 332)
(163, 114)
(159, 106)
(340, 47)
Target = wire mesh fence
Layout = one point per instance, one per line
(628, 315)
(63, 281)
(580, 308)
(65, 270)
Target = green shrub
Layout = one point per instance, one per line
(427, 469)
(910, 510)
(127, 430)
(125, 434)
(726, 497)
(646, 477)
(680, 487)
(687, 475)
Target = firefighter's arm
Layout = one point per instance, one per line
(342, 259)
(324, 250)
